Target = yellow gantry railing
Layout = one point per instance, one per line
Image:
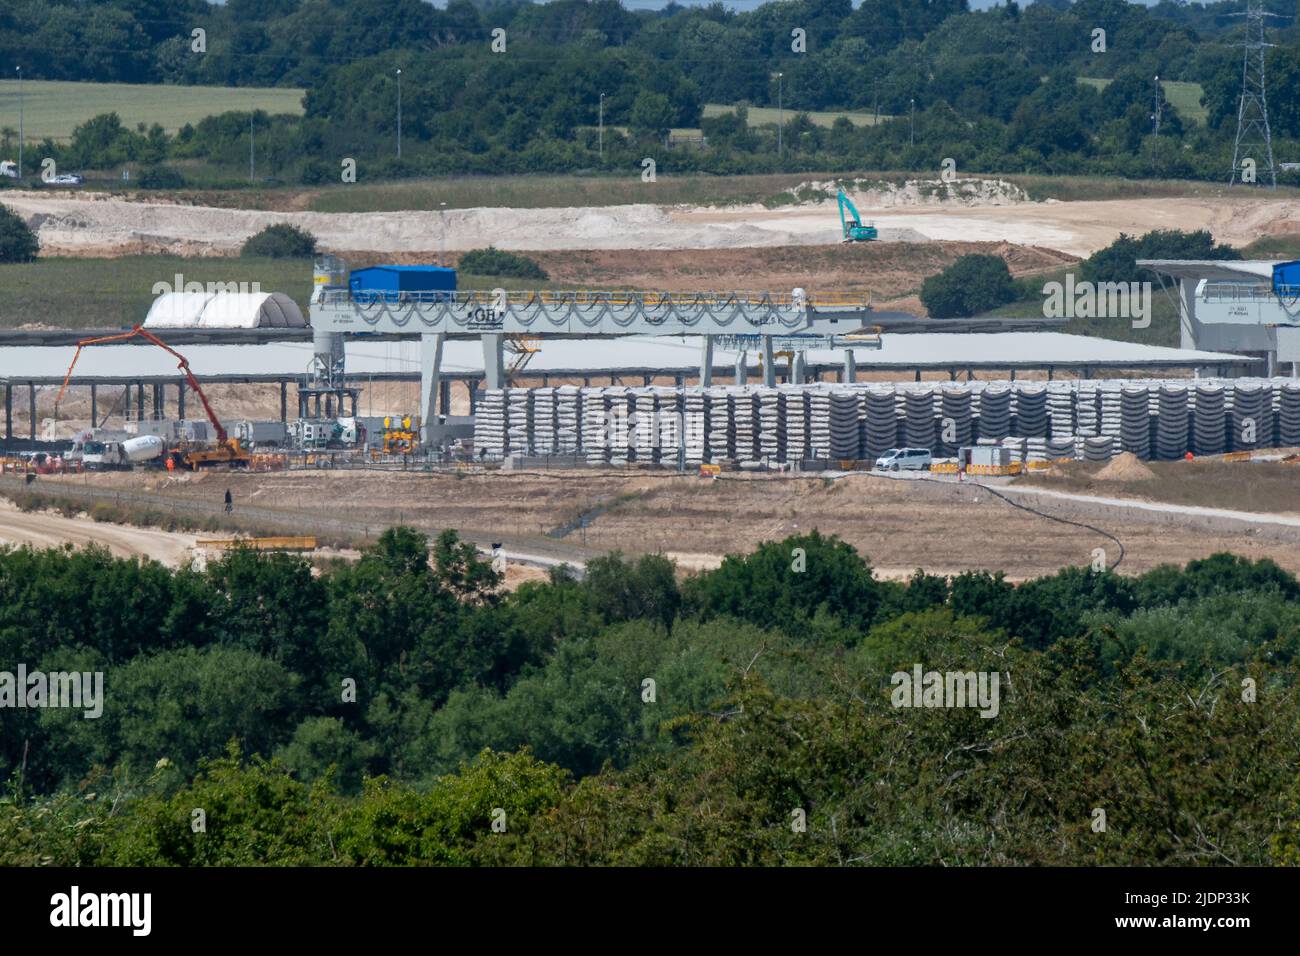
(622, 298)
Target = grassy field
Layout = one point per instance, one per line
(117, 293)
(113, 293)
(52, 108)
(769, 115)
(1184, 97)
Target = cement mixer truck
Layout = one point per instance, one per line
(106, 455)
(142, 448)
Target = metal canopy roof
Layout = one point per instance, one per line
(1243, 270)
(595, 357)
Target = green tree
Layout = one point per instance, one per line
(17, 241)
(280, 241)
(651, 115)
(973, 284)
(784, 584)
(323, 749)
(620, 590)
(452, 824)
(254, 814)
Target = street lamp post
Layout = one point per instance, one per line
(20, 121)
(442, 238)
(780, 113)
(911, 122)
(602, 127)
(252, 139)
(399, 114)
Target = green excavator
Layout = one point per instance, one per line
(851, 223)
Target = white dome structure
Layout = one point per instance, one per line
(177, 310)
(225, 310)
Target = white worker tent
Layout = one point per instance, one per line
(225, 310)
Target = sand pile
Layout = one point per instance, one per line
(1125, 467)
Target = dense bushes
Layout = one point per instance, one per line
(495, 262)
(973, 284)
(401, 701)
(161, 177)
(17, 241)
(280, 241)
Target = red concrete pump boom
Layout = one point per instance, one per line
(183, 365)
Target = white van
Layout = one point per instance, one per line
(904, 459)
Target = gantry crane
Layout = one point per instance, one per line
(227, 451)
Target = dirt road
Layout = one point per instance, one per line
(96, 224)
(42, 530)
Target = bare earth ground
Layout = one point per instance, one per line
(884, 270)
(1261, 486)
(43, 530)
(898, 525)
(99, 224)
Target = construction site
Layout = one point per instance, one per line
(552, 426)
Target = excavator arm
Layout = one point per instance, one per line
(182, 363)
(848, 215)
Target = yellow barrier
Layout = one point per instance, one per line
(283, 543)
(710, 471)
(944, 468)
(1014, 468)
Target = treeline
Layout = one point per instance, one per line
(995, 90)
(392, 710)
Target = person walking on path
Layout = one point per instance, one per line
(229, 505)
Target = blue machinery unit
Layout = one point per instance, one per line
(1286, 280)
(402, 283)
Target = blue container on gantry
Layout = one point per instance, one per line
(1286, 280)
(403, 283)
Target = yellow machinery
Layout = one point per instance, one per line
(273, 543)
(523, 348)
(400, 436)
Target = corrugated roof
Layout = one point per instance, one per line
(1004, 350)
(1226, 270)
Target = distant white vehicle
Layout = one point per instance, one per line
(904, 459)
(67, 179)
